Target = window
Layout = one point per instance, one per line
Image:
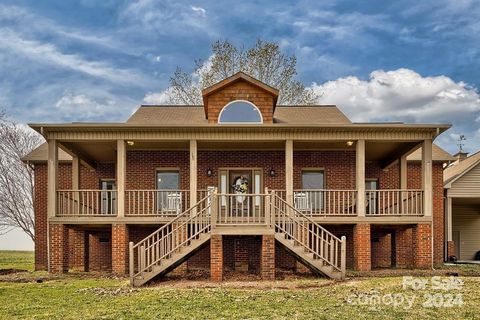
(371, 196)
(108, 196)
(240, 111)
(312, 195)
(168, 201)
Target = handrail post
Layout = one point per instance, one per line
(141, 252)
(343, 257)
(267, 201)
(214, 209)
(131, 260)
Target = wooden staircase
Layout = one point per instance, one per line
(317, 248)
(179, 239)
(172, 244)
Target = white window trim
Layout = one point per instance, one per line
(234, 101)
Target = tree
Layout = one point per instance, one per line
(264, 61)
(16, 177)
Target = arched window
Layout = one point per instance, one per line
(240, 111)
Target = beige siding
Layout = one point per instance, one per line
(468, 185)
(466, 220)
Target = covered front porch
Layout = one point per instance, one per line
(342, 181)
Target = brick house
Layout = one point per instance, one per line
(239, 184)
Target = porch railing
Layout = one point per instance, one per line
(86, 202)
(241, 208)
(394, 202)
(319, 202)
(156, 202)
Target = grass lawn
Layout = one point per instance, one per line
(80, 296)
(22, 260)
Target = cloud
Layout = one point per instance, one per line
(154, 15)
(48, 53)
(404, 95)
(200, 11)
(160, 98)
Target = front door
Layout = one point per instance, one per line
(238, 188)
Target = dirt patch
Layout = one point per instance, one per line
(236, 280)
(10, 271)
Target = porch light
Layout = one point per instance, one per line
(209, 172)
(349, 143)
(271, 173)
(130, 143)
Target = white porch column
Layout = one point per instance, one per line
(121, 168)
(193, 172)
(360, 177)
(427, 177)
(52, 177)
(403, 172)
(289, 171)
(75, 173)
(449, 228)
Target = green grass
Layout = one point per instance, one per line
(22, 260)
(78, 297)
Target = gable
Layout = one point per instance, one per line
(468, 184)
(240, 89)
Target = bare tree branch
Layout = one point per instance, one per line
(16, 177)
(264, 61)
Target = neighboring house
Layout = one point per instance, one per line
(462, 206)
(240, 184)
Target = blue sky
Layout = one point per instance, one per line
(415, 61)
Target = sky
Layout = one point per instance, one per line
(88, 60)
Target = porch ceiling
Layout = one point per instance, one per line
(105, 151)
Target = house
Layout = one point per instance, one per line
(239, 184)
(462, 206)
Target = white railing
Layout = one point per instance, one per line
(156, 202)
(320, 202)
(240, 208)
(322, 244)
(86, 203)
(394, 202)
(170, 238)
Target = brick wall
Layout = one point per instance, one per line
(362, 247)
(335, 164)
(382, 250)
(242, 253)
(216, 258)
(422, 246)
(40, 214)
(240, 90)
(268, 257)
(100, 250)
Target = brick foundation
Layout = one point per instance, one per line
(403, 247)
(216, 258)
(100, 251)
(77, 248)
(362, 247)
(58, 248)
(268, 257)
(422, 246)
(120, 249)
(382, 250)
